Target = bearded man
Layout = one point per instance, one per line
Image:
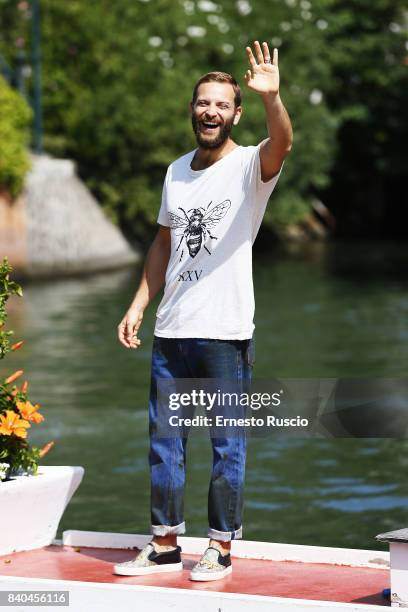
(213, 202)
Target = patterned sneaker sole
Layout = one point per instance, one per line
(206, 576)
(150, 569)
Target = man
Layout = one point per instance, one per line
(213, 202)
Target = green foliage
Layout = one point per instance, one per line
(128, 70)
(118, 77)
(287, 209)
(367, 52)
(7, 288)
(15, 116)
(20, 456)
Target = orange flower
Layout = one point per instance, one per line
(29, 412)
(46, 448)
(24, 387)
(17, 345)
(10, 423)
(13, 376)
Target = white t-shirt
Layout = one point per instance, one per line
(214, 215)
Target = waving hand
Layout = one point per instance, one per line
(263, 77)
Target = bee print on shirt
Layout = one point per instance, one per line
(196, 225)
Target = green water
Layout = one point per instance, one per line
(333, 312)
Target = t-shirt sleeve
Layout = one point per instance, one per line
(163, 217)
(252, 174)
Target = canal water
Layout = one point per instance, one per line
(336, 311)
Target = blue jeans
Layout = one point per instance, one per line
(174, 358)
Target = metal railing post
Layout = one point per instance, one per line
(36, 65)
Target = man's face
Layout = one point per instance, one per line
(214, 114)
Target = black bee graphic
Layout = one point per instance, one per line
(196, 226)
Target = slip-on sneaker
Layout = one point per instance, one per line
(212, 566)
(148, 561)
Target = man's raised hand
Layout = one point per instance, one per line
(263, 77)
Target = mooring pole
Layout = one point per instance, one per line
(36, 64)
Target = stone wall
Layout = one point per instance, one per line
(57, 227)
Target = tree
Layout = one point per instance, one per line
(118, 78)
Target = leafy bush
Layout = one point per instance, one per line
(287, 209)
(15, 117)
(117, 79)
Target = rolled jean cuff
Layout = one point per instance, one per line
(163, 530)
(225, 536)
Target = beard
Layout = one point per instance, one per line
(206, 141)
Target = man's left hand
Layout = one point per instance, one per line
(264, 74)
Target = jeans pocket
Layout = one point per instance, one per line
(250, 352)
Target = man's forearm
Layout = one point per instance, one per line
(278, 123)
(154, 273)
(277, 146)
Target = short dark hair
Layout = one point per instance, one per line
(219, 77)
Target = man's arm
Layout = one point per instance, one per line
(277, 146)
(154, 274)
(264, 79)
